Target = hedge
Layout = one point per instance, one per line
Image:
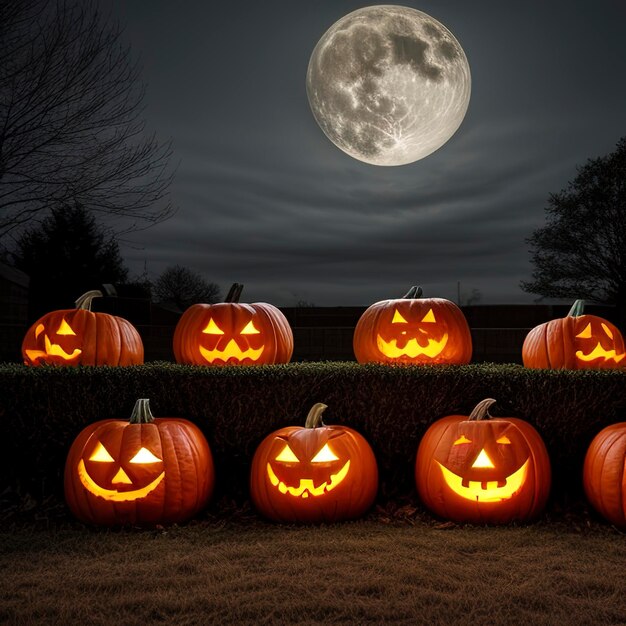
(43, 409)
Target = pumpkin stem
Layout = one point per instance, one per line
(234, 293)
(577, 308)
(413, 293)
(84, 302)
(314, 418)
(141, 412)
(481, 410)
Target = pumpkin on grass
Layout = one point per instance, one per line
(233, 333)
(317, 473)
(80, 337)
(482, 469)
(576, 341)
(144, 470)
(604, 478)
(414, 331)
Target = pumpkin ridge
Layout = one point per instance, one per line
(609, 449)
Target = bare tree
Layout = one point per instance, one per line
(581, 250)
(183, 287)
(71, 130)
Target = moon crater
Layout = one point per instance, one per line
(388, 85)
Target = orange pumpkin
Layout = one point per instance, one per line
(142, 471)
(317, 473)
(413, 330)
(481, 469)
(80, 337)
(576, 341)
(603, 473)
(230, 333)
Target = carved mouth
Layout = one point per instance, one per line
(600, 353)
(489, 491)
(412, 348)
(52, 349)
(306, 486)
(231, 351)
(112, 494)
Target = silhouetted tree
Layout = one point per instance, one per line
(581, 251)
(70, 124)
(66, 255)
(182, 287)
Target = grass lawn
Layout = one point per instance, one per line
(395, 566)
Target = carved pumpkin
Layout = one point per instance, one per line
(317, 473)
(413, 330)
(604, 475)
(80, 337)
(230, 333)
(575, 342)
(481, 469)
(143, 471)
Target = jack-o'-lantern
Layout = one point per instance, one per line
(576, 341)
(317, 473)
(233, 333)
(604, 475)
(144, 470)
(413, 330)
(80, 337)
(482, 469)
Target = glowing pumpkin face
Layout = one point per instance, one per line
(576, 341)
(482, 470)
(143, 471)
(412, 330)
(80, 337)
(313, 474)
(230, 333)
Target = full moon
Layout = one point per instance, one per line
(388, 85)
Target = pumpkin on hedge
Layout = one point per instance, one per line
(313, 474)
(482, 469)
(142, 471)
(577, 341)
(233, 333)
(413, 330)
(80, 337)
(604, 476)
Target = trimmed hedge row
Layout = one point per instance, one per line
(43, 409)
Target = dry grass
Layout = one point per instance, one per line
(244, 571)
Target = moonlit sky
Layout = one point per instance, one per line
(264, 198)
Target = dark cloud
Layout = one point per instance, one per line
(266, 199)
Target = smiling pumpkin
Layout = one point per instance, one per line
(482, 469)
(413, 331)
(313, 474)
(144, 470)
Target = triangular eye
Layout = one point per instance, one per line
(145, 456)
(429, 317)
(325, 455)
(65, 329)
(462, 439)
(100, 455)
(250, 329)
(585, 333)
(607, 330)
(503, 439)
(397, 318)
(287, 456)
(212, 328)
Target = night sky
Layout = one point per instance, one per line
(264, 198)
